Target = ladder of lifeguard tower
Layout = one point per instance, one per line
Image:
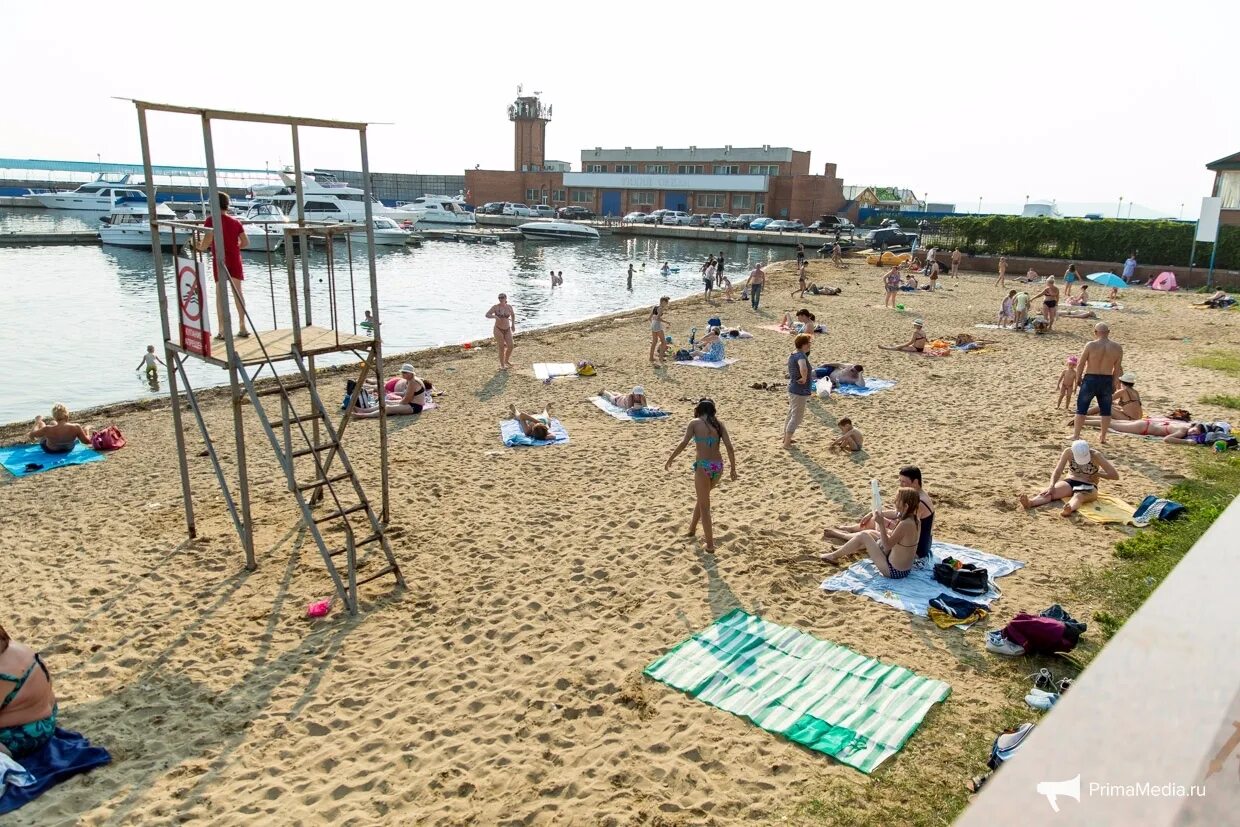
(292, 425)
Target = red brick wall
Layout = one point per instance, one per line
(528, 144)
(501, 185)
(799, 165)
(1229, 218)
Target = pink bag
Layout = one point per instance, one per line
(108, 439)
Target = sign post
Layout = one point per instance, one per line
(195, 321)
(1207, 230)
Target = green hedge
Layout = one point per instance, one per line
(1155, 242)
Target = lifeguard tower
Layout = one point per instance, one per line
(306, 439)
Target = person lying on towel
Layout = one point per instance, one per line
(28, 707)
(535, 426)
(635, 398)
(59, 436)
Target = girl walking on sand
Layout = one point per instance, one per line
(707, 432)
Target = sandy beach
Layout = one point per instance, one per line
(504, 685)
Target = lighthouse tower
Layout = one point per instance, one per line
(529, 118)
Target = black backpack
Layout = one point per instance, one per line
(968, 579)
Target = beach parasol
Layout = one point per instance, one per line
(1107, 280)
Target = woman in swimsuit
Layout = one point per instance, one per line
(28, 704)
(1085, 467)
(505, 326)
(407, 395)
(1125, 401)
(915, 345)
(658, 332)
(706, 432)
(535, 426)
(910, 477)
(61, 435)
(635, 398)
(893, 551)
(1070, 278)
(1050, 304)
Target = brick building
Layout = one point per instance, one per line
(774, 181)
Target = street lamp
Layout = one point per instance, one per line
(1181, 215)
(1120, 208)
(979, 205)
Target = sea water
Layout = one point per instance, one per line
(75, 320)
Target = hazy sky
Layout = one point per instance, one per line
(1076, 101)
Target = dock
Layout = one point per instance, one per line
(812, 241)
(488, 236)
(45, 239)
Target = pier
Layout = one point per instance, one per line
(46, 239)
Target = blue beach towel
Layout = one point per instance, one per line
(914, 593)
(871, 386)
(66, 755)
(15, 458)
(513, 437)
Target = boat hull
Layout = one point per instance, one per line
(139, 237)
(69, 201)
(556, 231)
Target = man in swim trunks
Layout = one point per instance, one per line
(1101, 362)
(505, 325)
(956, 263)
(61, 435)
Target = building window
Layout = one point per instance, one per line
(689, 169)
(642, 198)
(764, 169)
(760, 208)
(558, 195)
(533, 196)
(625, 169)
(740, 202)
(727, 169)
(583, 196)
(657, 169)
(711, 200)
(596, 168)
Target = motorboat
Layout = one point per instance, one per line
(439, 209)
(264, 227)
(128, 224)
(386, 232)
(324, 198)
(558, 230)
(98, 196)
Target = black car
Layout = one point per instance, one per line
(831, 224)
(573, 213)
(491, 208)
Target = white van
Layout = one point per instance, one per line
(677, 217)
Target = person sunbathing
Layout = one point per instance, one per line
(535, 426)
(803, 322)
(841, 374)
(909, 477)
(1085, 466)
(967, 341)
(910, 282)
(407, 394)
(635, 398)
(59, 436)
(1126, 400)
(1218, 300)
(1201, 433)
(915, 345)
(1160, 426)
(710, 347)
(28, 707)
(822, 290)
(892, 549)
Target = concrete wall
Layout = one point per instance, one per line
(1017, 266)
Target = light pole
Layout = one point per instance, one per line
(1120, 208)
(1181, 215)
(1130, 209)
(979, 205)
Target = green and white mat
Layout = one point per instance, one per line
(826, 697)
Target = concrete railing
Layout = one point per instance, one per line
(1149, 734)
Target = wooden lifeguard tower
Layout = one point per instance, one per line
(304, 437)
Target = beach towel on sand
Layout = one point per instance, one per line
(914, 593)
(512, 435)
(700, 363)
(638, 414)
(550, 370)
(871, 386)
(823, 696)
(1104, 306)
(15, 458)
(1107, 510)
(64, 756)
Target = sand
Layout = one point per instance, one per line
(504, 685)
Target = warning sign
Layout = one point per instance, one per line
(195, 321)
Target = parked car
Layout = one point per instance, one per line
(719, 219)
(655, 217)
(831, 224)
(574, 213)
(517, 209)
(742, 221)
(491, 208)
(696, 220)
(785, 226)
(542, 211)
(676, 218)
(760, 222)
(634, 218)
(885, 238)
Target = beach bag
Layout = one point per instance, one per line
(965, 578)
(1156, 508)
(109, 439)
(585, 369)
(683, 355)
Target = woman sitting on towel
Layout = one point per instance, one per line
(803, 322)
(893, 551)
(406, 395)
(28, 705)
(535, 426)
(910, 477)
(635, 398)
(1085, 467)
(59, 436)
(710, 347)
(1126, 400)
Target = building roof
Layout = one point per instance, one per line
(1230, 162)
(773, 154)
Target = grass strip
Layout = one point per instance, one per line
(1222, 400)
(1220, 360)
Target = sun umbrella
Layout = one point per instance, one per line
(1107, 279)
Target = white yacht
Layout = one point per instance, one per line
(386, 232)
(128, 224)
(558, 230)
(97, 196)
(439, 209)
(264, 227)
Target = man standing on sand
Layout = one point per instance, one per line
(800, 386)
(1100, 365)
(757, 278)
(956, 263)
(930, 257)
(1130, 267)
(1002, 271)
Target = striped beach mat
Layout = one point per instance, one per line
(823, 696)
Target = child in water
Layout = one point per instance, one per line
(1067, 384)
(149, 359)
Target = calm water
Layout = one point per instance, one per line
(75, 320)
